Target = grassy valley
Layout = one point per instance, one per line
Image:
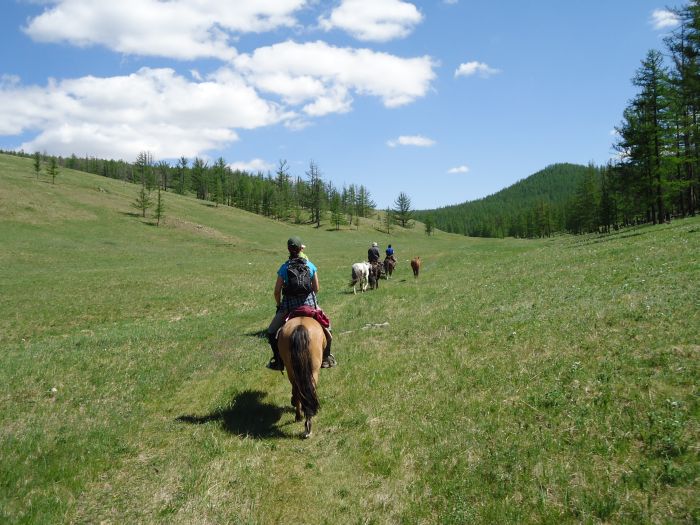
(534, 381)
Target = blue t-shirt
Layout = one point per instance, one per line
(389, 251)
(289, 303)
(282, 272)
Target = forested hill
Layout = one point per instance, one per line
(532, 207)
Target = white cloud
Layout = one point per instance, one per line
(322, 76)
(411, 140)
(474, 68)
(152, 109)
(252, 166)
(663, 19)
(181, 29)
(459, 169)
(173, 115)
(373, 20)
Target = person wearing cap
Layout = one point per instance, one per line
(373, 253)
(287, 303)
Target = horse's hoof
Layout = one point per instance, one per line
(306, 435)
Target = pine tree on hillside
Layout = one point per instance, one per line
(53, 169)
(163, 169)
(283, 184)
(316, 193)
(37, 164)
(159, 211)
(584, 209)
(200, 178)
(429, 226)
(388, 220)
(182, 180)
(337, 215)
(364, 204)
(402, 210)
(684, 105)
(143, 200)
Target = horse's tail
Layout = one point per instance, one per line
(354, 277)
(303, 370)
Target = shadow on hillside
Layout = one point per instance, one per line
(246, 416)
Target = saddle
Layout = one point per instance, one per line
(315, 313)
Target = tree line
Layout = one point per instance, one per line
(279, 196)
(536, 206)
(658, 174)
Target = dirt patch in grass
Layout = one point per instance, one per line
(200, 229)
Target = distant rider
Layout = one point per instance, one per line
(373, 254)
(390, 253)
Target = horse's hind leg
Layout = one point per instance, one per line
(296, 403)
(307, 428)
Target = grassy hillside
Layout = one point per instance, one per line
(549, 381)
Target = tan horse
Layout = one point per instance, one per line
(301, 343)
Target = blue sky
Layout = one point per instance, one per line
(446, 101)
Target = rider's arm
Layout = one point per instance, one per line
(314, 283)
(278, 290)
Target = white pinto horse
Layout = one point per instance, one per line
(360, 276)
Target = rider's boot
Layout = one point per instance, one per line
(328, 358)
(276, 361)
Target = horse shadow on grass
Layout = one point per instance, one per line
(261, 334)
(246, 416)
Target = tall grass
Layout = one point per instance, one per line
(547, 381)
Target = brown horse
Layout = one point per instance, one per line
(301, 342)
(415, 266)
(375, 272)
(389, 265)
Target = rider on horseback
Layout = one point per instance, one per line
(390, 253)
(373, 253)
(287, 300)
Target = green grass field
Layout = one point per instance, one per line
(549, 381)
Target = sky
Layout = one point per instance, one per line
(446, 101)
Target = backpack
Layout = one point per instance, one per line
(298, 278)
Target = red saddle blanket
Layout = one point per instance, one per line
(310, 311)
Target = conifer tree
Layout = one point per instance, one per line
(316, 193)
(402, 210)
(159, 211)
(429, 225)
(584, 210)
(37, 164)
(53, 169)
(284, 190)
(337, 215)
(143, 200)
(200, 178)
(388, 220)
(182, 180)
